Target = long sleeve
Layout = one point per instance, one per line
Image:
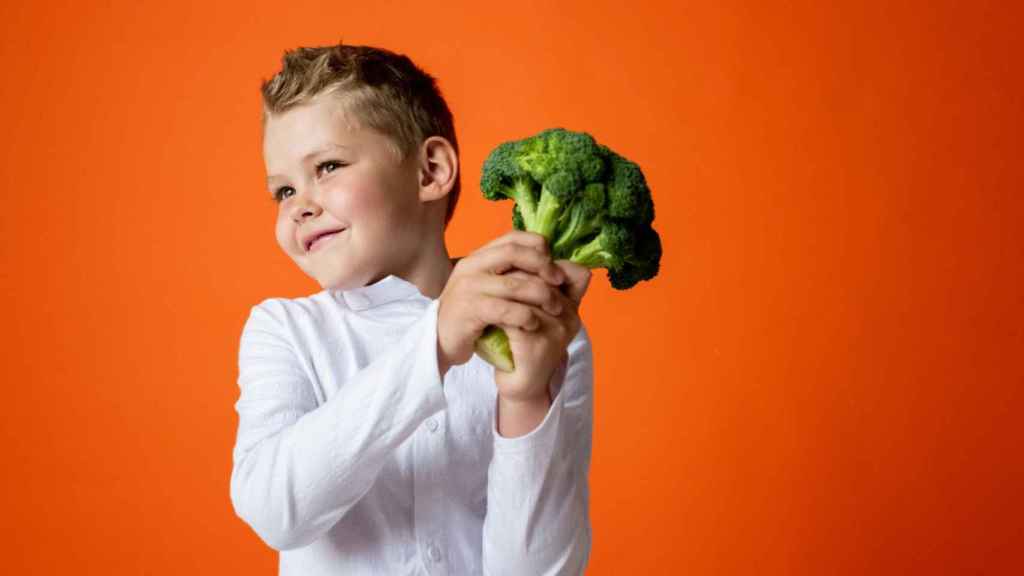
(299, 467)
(538, 518)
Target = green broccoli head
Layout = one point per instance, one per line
(642, 264)
(560, 150)
(498, 172)
(502, 178)
(593, 205)
(609, 249)
(629, 197)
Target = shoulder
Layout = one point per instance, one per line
(292, 315)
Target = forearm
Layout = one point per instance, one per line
(517, 418)
(293, 486)
(537, 518)
(299, 468)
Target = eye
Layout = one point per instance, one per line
(279, 194)
(326, 163)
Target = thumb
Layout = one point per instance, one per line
(577, 279)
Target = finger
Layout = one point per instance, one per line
(510, 255)
(567, 304)
(523, 238)
(562, 328)
(525, 288)
(508, 313)
(577, 279)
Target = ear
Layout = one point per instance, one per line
(437, 168)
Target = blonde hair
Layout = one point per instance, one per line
(380, 89)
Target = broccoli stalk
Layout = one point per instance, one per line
(582, 220)
(558, 192)
(592, 205)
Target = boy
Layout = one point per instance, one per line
(370, 439)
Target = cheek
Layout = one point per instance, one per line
(369, 205)
(284, 234)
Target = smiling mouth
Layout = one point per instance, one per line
(323, 239)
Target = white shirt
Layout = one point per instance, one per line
(352, 458)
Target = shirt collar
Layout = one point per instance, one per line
(388, 289)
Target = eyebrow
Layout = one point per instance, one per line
(327, 148)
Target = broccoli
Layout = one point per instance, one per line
(591, 204)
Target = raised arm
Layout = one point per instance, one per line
(538, 501)
(298, 467)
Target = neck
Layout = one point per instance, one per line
(430, 273)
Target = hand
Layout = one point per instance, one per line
(478, 294)
(537, 352)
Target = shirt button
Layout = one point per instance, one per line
(432, 425)
(434, 553)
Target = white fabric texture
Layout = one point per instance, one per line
(353, 457)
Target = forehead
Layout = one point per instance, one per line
(294, 136)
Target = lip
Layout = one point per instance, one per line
(308, 243)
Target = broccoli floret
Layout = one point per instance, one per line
(591, 204)
(642, 264)
(560, 150)
(502, 178)
(609, 249)
(628, 195)
(558, 192)
(557, 161)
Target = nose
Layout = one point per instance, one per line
(304, 206)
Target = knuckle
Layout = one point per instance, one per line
(509, 251)
(531, 250)
(549, 297)
(556, 298)
(536, 260)
(510, 313)
(510, 283)
(457, 285)
(565, 328)
(544, 295)
(536, 289)
(538, 241)
(521, 316)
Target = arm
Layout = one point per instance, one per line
(299, 468)
(538, 514)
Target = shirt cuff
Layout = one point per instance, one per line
(546, 433)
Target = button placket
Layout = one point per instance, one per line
(429, 492)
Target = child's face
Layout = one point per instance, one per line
(352, 181)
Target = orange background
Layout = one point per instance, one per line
(825, 378)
